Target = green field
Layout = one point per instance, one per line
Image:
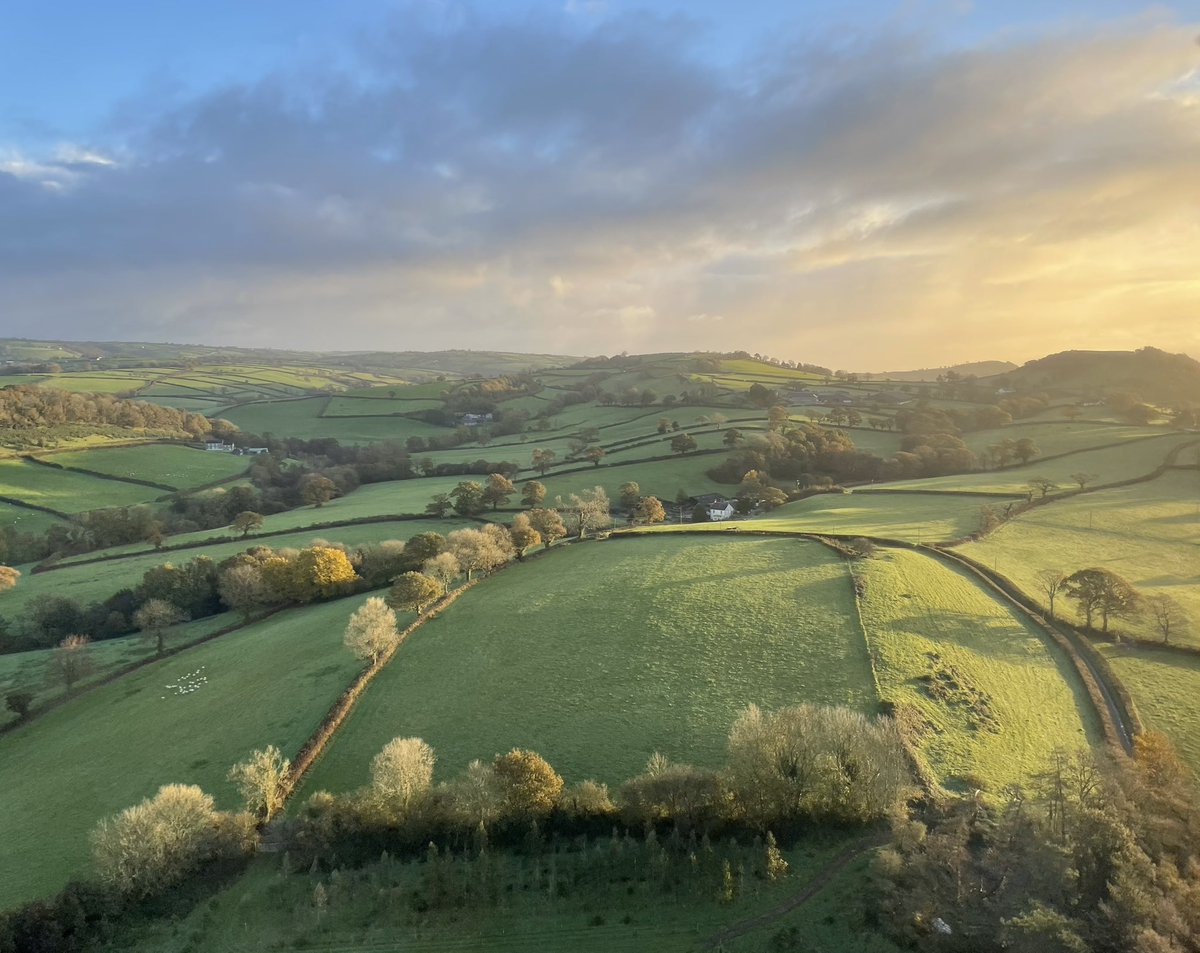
(22, 520)
(1135, 458)
(31, 671)
(267, 684)
(1054, 435)
(917, 517)
(181, 467)
(1165, 687)
(302, 419)
(342, 406)
(65, 491)
(1006, 698)
(603, 653)
(89, 582)
(1148, 532)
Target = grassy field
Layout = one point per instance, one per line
(918, 517)
(267, 684)
(27, 521)
(93, 581)
(1148, 532)
(181, 467)
(378, 406)
(996, 697)
(65, 491)
(1165, 687)
(599, 655)
(31, 671)
(1135, 458)
(1054, 435)
(267, 909)
(302, 418)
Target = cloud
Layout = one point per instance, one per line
(863, 200)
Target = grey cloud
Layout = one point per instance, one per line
(527, 181)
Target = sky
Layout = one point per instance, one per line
(867, 184)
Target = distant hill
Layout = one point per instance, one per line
(1148, 373)
(106, 355)
(975, 368)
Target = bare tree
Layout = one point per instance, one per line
(1041, 485)
(1083, 479)
(72, 660)
(1051, 581)
(1168, 615)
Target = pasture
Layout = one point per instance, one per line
(269, 683)
(1165, 686)
(22, 520)
(33, 671)
(994, 695)
(302, 418)
(600, 654)
(915, 517)
(1134, 458)
(184, 468)
(65, 491)
(1148, 532)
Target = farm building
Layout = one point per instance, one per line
(718, 507)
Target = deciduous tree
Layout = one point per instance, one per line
(322, 571)
(629, 495)
(260, 780)
(1051, 582)
(528, 785)
(543, 459)
(72, 660)
(523, 534)
(590, 510)
(683, 443)
(443, 567)
(155, 617)
(1042, 486)
(414, 591)
(316, 489)
(498, 490)
(371, 630)
(8, 577)
(243, 589)
(401, 774)
(1102, 591)
(246, 521)
(649, 510)
(149, 847)
(549, 525)
(1167, 615)
(468, 498)
(532, 493)
(1025, 449)
(19, 701)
